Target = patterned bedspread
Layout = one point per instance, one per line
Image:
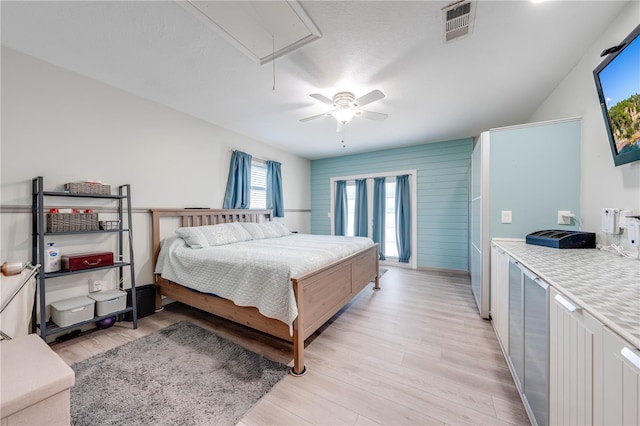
(256, 272)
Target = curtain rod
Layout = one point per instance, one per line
(252, 156)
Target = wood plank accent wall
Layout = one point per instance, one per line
(442, 188)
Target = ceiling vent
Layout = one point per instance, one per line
(458, 20)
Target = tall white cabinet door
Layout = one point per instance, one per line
(621, 381)
(575, 364)
(479, 242)
(500, 295)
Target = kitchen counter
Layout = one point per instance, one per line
(602, 283)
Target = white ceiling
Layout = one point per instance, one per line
(518, 53)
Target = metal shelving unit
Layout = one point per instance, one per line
(39, 233)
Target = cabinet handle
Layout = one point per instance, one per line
(631, 356)
(567, 305)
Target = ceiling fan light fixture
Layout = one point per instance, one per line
(346, 106)
(344, 115)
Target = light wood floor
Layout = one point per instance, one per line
(415, 352)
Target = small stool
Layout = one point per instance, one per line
(34, 384)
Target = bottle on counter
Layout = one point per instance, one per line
(52, 259)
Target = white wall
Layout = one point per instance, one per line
(602, 184)
(67, 127)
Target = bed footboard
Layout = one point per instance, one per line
(320, 294)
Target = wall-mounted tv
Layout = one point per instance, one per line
(618, 84)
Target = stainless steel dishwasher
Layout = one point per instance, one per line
(529, 340)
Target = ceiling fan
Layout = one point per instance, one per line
(346, 106)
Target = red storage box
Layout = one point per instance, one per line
(77, 262)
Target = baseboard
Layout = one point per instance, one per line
(460, 272)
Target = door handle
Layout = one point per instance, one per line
(566, 304)
(631, 356)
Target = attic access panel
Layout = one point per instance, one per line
(254, 26)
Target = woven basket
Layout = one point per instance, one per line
(69, 222)
(87, 188)
(109, 225)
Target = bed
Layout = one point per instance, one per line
(318, 293)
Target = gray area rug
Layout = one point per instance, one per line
(180, 375)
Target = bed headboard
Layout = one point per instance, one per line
(202, 217)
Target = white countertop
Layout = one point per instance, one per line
(604, 284)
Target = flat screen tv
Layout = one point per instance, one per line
(618, 84)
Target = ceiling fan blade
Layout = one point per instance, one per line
(322, 98)
(372, 96)
(340, 127)
(378, 116)
(313, 117)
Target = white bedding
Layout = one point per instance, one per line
(256, 272)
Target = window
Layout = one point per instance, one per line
(351, 207)
(258, 185)
(390, 246)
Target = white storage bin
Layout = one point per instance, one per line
(71, 311)
(109, 301)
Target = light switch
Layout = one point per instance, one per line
(506, 216)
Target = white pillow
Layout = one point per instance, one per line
(193, 236)
(213, 235)
(260, 231)
(254, 230)
(274, 229)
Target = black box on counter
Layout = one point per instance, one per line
(562, 239)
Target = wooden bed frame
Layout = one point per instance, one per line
(320, 294)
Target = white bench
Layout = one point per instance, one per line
(34, 383)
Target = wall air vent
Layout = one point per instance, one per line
(458, 20)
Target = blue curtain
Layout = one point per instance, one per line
(274, 188)
(361, 214)
(340, 208)
(238, 194)
(379, 197)
(403, 218)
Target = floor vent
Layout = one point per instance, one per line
(458, 20)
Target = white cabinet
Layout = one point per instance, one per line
(621, 392)
(479, 241)
(500, 295)
(593, 372)
(575, 364)
(502, 164)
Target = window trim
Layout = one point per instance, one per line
(413, 179)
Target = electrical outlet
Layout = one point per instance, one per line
(563, 217)
(506, 216)
(95, 285)
(633, 232)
